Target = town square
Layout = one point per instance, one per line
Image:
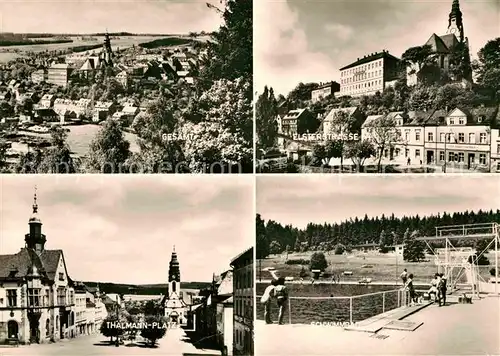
(167, 299)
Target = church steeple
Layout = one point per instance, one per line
(174, 273)
(455, 24)
(35, 239)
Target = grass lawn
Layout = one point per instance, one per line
(374, 265)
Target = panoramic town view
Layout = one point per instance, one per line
(374, 269)
(413, 90)
(70, 283)
(109, 87)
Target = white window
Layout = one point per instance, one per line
(430, 136)
(498, 147)
(452, 122)
(441, 155)
(441, 137)
(472, 138)
(417, 153)
(482, 137)
(460, 157)
(461, 121)
(417, 135)
(461, 137)
(407, 152)
(451, 157)
(482, 158)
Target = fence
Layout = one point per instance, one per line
(307, 310)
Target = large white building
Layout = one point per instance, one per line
(368, 75)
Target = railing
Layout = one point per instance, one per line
(468, 229)
(307, 310)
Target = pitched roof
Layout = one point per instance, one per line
(370, 58)
(371, 119)
(437, 44)
(293, 114)
(47, 262)
(450, 40)
(349, 110)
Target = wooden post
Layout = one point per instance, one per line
(350, 310)
(289, 311)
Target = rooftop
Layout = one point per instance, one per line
(370, 58)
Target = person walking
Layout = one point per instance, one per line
(281, 295)
(443, 289)
(404, 276)
(267, 300)
(411, 289)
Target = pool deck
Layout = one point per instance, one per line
(455, 329)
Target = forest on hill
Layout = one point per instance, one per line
(143, 289)
(274, 238)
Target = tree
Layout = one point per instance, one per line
(266, 111)
(319, 155)
(339, 249)
(481, 251)
(155, 328)
(301, 93)
(303, 273)
(108, 150)
(152, 308)
(157, 153)
(111, 327)
(383, 242)
(275, 248)
(487, 68)
(262, 244)
(229, 53)
(384, 133)
(359, 151)
(57, 158)
(419, 55)
(224, 135)
(413, 250)
(318, 261)
(3, 155)
(342, 125)
(423, 97)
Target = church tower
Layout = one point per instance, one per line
(35, 239)
(174, 275)
(455, 24)
(107, 52)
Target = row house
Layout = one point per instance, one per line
(243, 301)
(460, 136)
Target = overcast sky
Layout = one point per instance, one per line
(309, 40)
(90, 16)
(122, 229)
(299, 200)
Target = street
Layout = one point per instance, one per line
(175, 342)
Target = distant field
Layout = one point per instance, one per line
(11, 52)
(384, 267)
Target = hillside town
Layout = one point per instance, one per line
(41, 304)
(138, 108)
(431, 110)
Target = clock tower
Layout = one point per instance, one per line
(455, 24)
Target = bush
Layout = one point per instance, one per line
(383, 249)
(303, 273)
(318, 261)
(299, 261)
(492, 272)
(339, 249)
